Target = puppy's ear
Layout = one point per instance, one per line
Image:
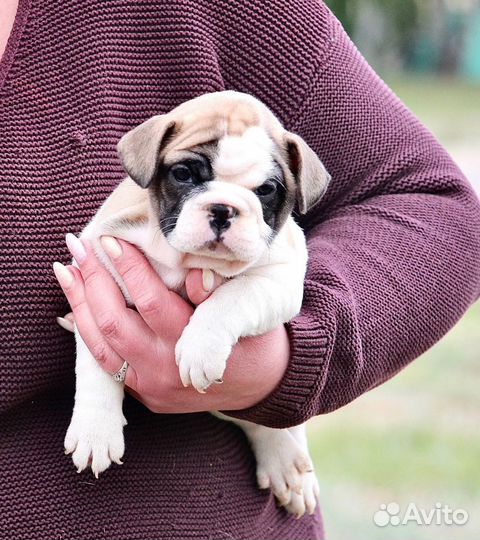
(139, 149)
(311, 176)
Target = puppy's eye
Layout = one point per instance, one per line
(267, 189)
(182, 173)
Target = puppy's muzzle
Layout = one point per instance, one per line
(220, 217)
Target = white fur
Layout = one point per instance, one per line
(246, 158)
(283, 464)
(247, 237)
(266, 291)
(96, 428)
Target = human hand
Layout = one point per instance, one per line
(146, 338)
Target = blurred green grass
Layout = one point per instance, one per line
(415, 439)
(449, 107)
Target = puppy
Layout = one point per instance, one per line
(211, 185)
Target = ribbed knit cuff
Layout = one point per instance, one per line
(294, 400)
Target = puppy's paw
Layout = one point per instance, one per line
(201, 357)
(306, 501)
(95, 439)
(282, 466)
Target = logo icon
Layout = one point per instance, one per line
(389, 514)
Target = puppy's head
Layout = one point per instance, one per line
(223, 175)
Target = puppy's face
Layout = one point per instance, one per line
(223, 175)
(223, 199)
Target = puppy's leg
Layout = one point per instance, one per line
(95, 434)
(307, 500)
(282, 463)
(247, 305)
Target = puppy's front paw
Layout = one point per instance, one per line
(95, 438)
(201, 357)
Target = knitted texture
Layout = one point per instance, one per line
(394, 249)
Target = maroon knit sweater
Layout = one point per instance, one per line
(394, 249)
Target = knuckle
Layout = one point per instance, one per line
(147, 304)
(131, 272)
(101, 353)
(90, 278)
(109, 324)
(77, 304)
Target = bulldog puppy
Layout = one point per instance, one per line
(212, 184)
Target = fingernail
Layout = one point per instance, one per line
(76, 248)
(111, 246)
(208, 280)
(63, 275)
(70, 317)
(66, 324)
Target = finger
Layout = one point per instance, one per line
(93, 271)
(124, 329)
(70, 279)
(67, 322)
(200, 284)
(155, 303)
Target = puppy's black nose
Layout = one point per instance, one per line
(220, 215)
(222, 212)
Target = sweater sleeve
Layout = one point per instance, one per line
(394, 247)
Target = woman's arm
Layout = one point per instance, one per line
(394, 246)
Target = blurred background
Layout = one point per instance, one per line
(415, 439)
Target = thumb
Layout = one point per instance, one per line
(200, 284)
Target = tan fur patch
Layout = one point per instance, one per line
(208, 118)
(127, 195)
(240, 117)
(126, 208)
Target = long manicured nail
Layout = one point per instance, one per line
(66, 324)
(208, 280)
(76, 248)
(63, 275)
(111, 246)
